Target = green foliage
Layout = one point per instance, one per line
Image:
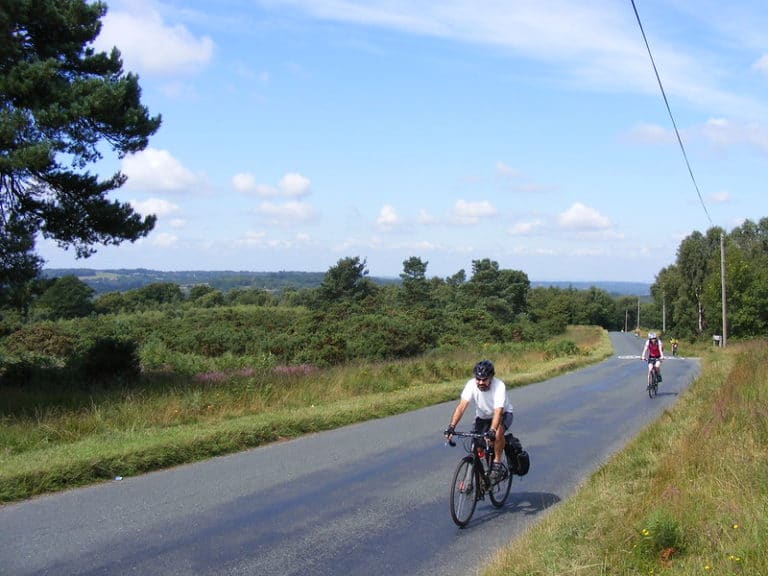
(43, 339)
(659, 532)
(68, 297)
(345, 283)
(106, 360)
(61, 106)
(560, 348)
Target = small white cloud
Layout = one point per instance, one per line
(387, 218)
(583, 217)
(243, 182)
(426, 218)
(651, 134)
(156, 206)
(471, 212)
(762, 64)
(294, 185)
(163, 239)
(177, 223)
(288, 213)
(721, 197)
(147, 44)
(526, 228)
(291, 185)
(505, 171)
(154, 169)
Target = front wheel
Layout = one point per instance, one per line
(500, 490)
(652, 384)
(465, 488)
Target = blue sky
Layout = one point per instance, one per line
(533, 133)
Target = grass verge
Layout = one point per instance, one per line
(133, 432)
(688, 496)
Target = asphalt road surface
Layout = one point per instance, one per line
(371, 498)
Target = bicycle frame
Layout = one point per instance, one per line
(472, 479)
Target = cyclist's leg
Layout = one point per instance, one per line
(501, 441)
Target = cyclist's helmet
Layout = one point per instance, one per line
(651, 335)
(484, 370)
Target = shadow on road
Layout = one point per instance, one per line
(526, 503)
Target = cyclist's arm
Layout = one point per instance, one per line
(458, 413)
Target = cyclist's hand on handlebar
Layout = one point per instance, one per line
(490, 434)
(448, 432)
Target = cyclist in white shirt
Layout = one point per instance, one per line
(493, 412)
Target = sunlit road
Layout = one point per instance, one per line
(366, 499)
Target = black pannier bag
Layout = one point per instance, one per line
(519, 460)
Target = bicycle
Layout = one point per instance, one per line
(653, 382)
(472, 478)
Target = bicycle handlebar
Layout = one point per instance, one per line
(466, 435)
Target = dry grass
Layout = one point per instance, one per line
(687, 497)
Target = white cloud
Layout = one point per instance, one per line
(723, 133)
(243, 182)
(426, 218)
(291, 185)
(294, 185)
(163, 239)
(651, 134)
(762, 64)
(471, 212)
(154, 169)
(387, 218)
(177, 223)
(156, 206)
(288, 213)
(505, 171)
(721, 197)
(526, 228)
(148, 45)
(583, 217)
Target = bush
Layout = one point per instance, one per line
(107, 359)
(43, 339)
(560, 349)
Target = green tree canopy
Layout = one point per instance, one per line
(68, 297)
(60, 102)
(346, 282)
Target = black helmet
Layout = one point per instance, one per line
(484, 370)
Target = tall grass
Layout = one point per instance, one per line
(50, 441)
(687, 497)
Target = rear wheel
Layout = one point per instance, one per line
(500, 490)
(464, 492)
(653, 384)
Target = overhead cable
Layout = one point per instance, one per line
(669, 110)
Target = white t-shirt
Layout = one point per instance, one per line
(486, 402)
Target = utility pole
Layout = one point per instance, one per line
(626, 318)
(722, 285)
(638, 314)
(663, 312)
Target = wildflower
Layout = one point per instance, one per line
(646, 532)
(707, 567)
(735, 526)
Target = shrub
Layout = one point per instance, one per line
(107, 359)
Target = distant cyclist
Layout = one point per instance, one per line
(493, 412)
(653, 353)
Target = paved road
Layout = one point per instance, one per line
(366, 499)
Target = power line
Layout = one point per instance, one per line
(669, 110)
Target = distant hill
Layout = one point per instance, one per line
(613, 288)
(122, 279)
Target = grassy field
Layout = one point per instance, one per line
(50, 440)
(688, 496)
